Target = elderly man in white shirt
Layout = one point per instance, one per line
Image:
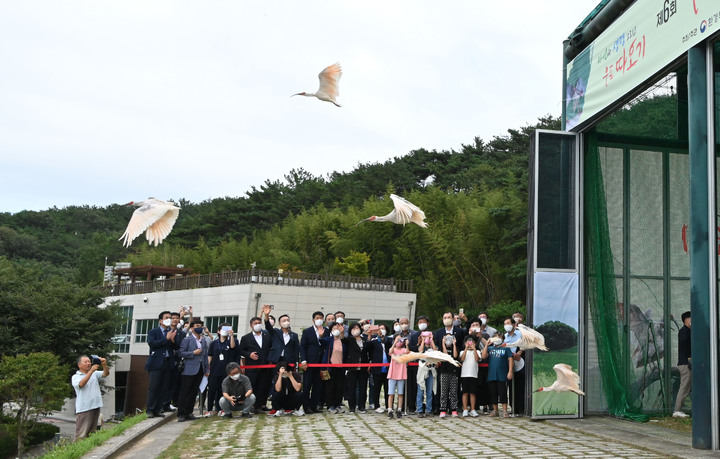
(86, 382)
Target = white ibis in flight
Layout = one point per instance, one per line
(430, 356)
(530, 339)
(153, 216)
(404, 212)
(567, 380)
(329, 88)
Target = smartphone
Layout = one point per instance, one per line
(226, 328)
(462, 310)
(272, 306)
(185, 308)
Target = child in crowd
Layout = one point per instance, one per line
(397, 374)
(469, 357)
(500, 370)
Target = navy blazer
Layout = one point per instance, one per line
(160, 347)
(292, 348)
(378, 347)
(459, 334)
(357, 355)
(311, 349)
(248, 345)
(194, 362)
(329, 345)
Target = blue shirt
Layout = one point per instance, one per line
(498, 366)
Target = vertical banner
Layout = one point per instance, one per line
(556, 314)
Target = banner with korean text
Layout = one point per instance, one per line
(646, 38)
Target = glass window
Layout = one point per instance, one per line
(123, 330)
(142, 327)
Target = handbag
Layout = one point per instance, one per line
(325, 375)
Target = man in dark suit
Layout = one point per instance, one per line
(162, 343)
(311, 351)
(255, 348)
(285, 342)
(458, 333)
(194, 349)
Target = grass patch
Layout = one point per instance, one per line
(82, 447)
(669, 422)
(188, 440)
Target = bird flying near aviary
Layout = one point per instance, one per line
(530, 339)
(567, 380)
(153, 216)
(329, 89)
(430, 356)
(404, 212)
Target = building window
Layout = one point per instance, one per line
(213, 323)
(142, 327)
(123, 330)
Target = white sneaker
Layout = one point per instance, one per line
(340, 410)
(442, 414)
(465, 413)
(332, 410)
(474, 413)
(207, 414)
(279, 413)
(299, 412)
(172, 407)
(679, 414)
(380, 410)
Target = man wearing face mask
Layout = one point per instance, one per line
(285, 342)
(255, 348)
(380, 345)
(484, 327)
(340, 318)
(237, 392)
(172, 392)
(194, 351)
(517, 387)
(162, 343)
(311, 351)
(220, 353)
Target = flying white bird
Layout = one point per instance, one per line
(431, 356)
(329, 88)
(530, 339)
(404, 212)
(567, 380)
(153, 216)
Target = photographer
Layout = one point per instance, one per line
(237, 392)
(288, 396)
(86, 382)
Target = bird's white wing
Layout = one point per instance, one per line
(147, 215)
(567, 379)
(407, 212)
(159, 230)
(433, 356)
(530, 339)
(409, 357)
(330, 81)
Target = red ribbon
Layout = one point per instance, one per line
(339, 365)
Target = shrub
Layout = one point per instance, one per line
(558, 335)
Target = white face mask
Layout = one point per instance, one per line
(383, 331)
(336, 333)
(167, 322)
(447, 322)
(422, 326)
(356, 332)
(508, 328)
(235, 377)
(340, 320)
(285, 324)
(257, 328)
(318, 322)
(223, 333)
(483, 320)
(396, 328)
(404, 327)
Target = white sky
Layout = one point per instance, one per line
(108, 102)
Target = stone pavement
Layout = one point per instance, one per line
(374, 435)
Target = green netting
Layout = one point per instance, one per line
(602, 293)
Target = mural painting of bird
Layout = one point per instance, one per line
(154, 217)
(404, 212)
(329, 89)
(567, 380)
(430, 357)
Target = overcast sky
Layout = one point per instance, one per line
(107, 102)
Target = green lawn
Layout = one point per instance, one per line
(548, 403)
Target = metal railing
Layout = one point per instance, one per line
(260, 276)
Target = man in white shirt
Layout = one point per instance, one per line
(86, 382)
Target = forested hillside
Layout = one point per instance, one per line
(472, 255)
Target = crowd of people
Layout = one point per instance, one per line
(334, 367)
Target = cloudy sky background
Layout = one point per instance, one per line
(108, 102)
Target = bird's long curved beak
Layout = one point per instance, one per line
(298, 94)
(356, 224)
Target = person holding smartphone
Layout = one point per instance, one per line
(237, 392)
(220, 353)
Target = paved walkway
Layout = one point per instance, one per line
(374, 435)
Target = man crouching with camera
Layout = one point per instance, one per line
(237, 392)
(89, 398)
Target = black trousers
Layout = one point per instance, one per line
(158, 386)
(357, 383)
(293, 400)
(189, 386)
(498, 392)
(173, 386)
(379, 382)
(260, 379)
(335, 387)
(214, 391)
(312, 387)
(411, 388)
(517, 389)
(483, 392)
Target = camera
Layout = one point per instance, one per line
(272, 306)
(95, 360)
(145, 299)
(185, 308)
